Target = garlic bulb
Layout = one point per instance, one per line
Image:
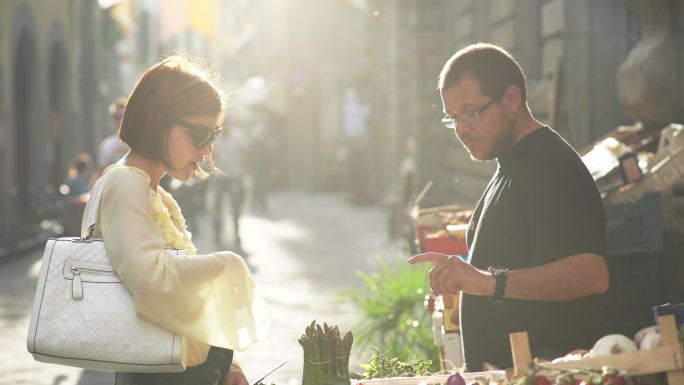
(650, 341)
(612, 344)
(642, 333)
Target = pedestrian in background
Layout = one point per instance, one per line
(230, 150)
(75, 191)
(112, 148)
(537, 238)
(261, 165)
(170, 123)
(78, 180)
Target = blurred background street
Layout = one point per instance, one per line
(332, 132)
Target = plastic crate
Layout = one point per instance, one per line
(676, 309)
(635, 227)
(430, 221)
(444, 246)
(447, 244)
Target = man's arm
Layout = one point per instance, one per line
(565, 279)
(568, 278)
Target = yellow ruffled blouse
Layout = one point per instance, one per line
(210, 299)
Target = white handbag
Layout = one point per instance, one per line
(84, 316)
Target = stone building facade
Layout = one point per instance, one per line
(52, 106)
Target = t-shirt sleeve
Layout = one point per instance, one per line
(560, 215)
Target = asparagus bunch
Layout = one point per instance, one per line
(326, 354)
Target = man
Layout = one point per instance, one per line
(538, 235)
(229, 156)
(112, 148)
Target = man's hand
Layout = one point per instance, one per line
(451, 275)
(235, 376)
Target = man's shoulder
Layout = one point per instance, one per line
(551, 155)
(558, 172)
(112, 140)
(112, 144)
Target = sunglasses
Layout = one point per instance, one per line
(201, 135)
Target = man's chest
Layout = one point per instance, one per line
(498, 233)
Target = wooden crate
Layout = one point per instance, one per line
(666, 358)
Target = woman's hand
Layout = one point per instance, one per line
(235, 376)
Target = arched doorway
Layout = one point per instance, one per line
(60, 140)
(27, 155)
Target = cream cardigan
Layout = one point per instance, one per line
(211, 299)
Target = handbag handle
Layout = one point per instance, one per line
(94, 200)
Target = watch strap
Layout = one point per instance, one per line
(501, 276)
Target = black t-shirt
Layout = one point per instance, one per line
(541, 205)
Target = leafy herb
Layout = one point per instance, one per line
(383, 366)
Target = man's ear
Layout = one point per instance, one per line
(512, 98)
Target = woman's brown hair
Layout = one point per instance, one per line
(175, 87)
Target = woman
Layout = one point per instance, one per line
(170, 124)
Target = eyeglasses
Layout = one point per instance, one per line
(201, 135)
(468, 117)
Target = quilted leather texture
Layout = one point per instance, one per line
(103, 326)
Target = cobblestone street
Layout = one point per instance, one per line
(305, 252)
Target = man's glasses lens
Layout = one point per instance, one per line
(468, 117)
(449, 122)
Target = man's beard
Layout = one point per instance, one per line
(501, 145)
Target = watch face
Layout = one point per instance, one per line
(501, 275)
(496, 270)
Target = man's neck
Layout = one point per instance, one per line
(526, 124)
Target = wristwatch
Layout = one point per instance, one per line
(501, 275)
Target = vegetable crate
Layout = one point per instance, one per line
(666, 358)
(665, 168)
(441, 229)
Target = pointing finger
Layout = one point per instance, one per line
(435, 258)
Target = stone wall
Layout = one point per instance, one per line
(650, 81)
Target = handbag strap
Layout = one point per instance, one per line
(88, 227)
